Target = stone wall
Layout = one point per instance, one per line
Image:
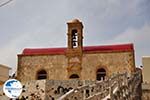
(34, 90)
(57, 88)
(118, 87)
(56, 65)
(112, 62)
(49, 89)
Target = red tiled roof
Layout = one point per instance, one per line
(105, 48)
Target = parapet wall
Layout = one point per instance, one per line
(33, 90)
(49, 89)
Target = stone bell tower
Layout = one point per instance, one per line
(74, 49)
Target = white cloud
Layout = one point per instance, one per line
(141, 39)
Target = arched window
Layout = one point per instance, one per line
(101, 73)
(74, 76)
(42, 74)
(74, 38)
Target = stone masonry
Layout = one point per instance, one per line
(117, 87)
(56, 65)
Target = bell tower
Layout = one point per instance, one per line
(74, 49)
(75, 34)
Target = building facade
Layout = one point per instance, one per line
(4, 74)
(146, 68)
(75, 61)
(146, 79)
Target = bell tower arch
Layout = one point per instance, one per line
(75, 46)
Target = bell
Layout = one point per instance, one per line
(74, 34)
(74, 37)
(74, 43)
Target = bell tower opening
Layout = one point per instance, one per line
(74, 38)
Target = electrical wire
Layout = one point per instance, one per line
(5, 3)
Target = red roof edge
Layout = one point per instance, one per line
(35, 51)
(118, 47)
(104, 48)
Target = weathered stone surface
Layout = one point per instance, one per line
(117, 87)
(34, 90)
(146, 91)
(111, 62)
(56, 65)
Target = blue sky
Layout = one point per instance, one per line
(42, 23)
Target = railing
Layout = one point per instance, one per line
(118, 87)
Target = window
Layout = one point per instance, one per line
(42, 74)
(74, 76)
(101, 73)
(74, 38)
